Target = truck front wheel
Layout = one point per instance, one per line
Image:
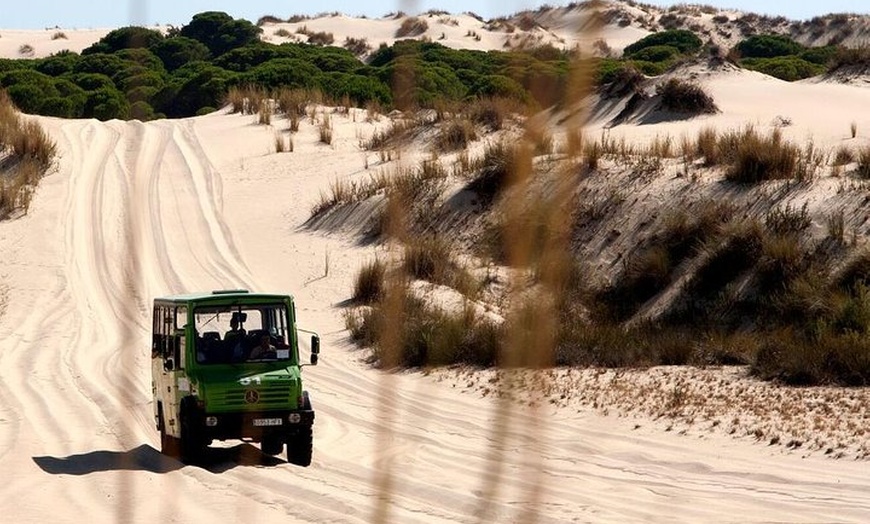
(299, 447)
(272, 445)
(191, 444)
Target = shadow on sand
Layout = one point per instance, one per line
(146, 458)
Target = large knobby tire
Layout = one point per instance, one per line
(191, 444)
(272, 445)
(299, 447)
(168, 443)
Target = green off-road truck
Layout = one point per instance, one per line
(226, 365)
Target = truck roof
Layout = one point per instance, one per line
(241, 295)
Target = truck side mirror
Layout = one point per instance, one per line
(315, 349)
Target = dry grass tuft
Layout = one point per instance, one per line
(758, 158)
(685, 97)
(412, 26)
(455, 134)
(326, 130)
(492, 174)
(370, 283)
(863, 169)
(29, 153)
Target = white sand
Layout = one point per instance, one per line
(199, 204)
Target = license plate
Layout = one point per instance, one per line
(267, 422)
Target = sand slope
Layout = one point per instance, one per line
(138, 210)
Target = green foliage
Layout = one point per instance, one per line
(194, 67)
(656, 53)
(649, 68)
(358, 89)
(101, 63)
(685, 41)
(819, 55)
(27, 97)
(142, 111)
(498, 86)
(219, 32)
(27, 77)
(28, 88)
(206, 85)
(179, 50)
(289, 72)
(768, 46)
(106, 104)
(788, 68)
(242, 59)
(125, 38)
(144, 58)
(59, 64)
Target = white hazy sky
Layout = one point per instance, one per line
(83, 14)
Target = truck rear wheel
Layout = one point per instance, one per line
(299, 447)
(168, 443)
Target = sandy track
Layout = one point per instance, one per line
(138, 210)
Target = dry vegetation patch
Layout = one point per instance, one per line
(411, 27)
(26, 154)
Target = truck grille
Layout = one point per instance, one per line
(258, 397)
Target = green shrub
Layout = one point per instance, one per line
(125, 38)
(27, 97)
(141, 111)
(219, 32)
(788, 68)
(179, 50)
(819, 55)
(58, 64)
(768, 46)
(656, 53)
(106, 104)
(498, 86)
(684, 41)
(58, 106)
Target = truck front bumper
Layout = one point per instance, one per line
(254, 424)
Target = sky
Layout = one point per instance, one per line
(85, 14)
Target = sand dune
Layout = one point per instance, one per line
(137, 210)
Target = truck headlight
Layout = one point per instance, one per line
(294, 418)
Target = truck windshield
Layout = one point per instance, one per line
(248, 333)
